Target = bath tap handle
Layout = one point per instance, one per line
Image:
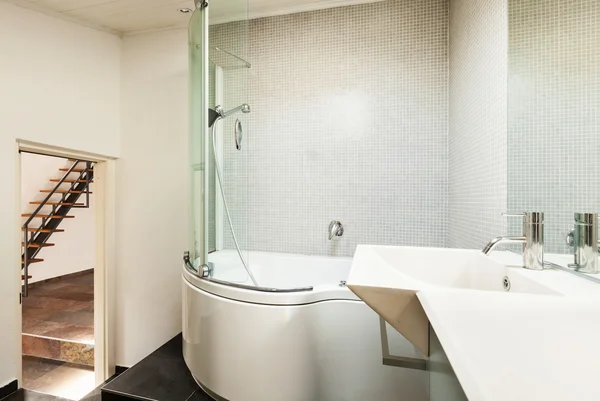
(336, 230)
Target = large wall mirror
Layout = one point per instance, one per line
(554, 115)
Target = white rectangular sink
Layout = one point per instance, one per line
(387, 278)
(415, 268)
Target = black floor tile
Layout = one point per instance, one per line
(27, 395)
(161, 376)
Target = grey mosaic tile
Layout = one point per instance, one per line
(349, 121)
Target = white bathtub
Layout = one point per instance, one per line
(322, 344)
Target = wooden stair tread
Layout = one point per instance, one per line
(43, 230)
(76, 170)
(33, 261)
(64, 191)
(69, 181)
(36, 245)
(58, 203)
(23, 276)
(47, 216)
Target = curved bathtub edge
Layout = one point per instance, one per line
(319, 293)
(208, 391)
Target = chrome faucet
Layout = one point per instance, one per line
(532, 240)
(584, 239)
(336, 230)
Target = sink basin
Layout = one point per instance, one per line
(387, 278)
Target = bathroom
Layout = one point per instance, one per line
(368, 123)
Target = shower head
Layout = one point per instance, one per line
(218, 113)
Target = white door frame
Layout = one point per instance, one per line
(104, 269)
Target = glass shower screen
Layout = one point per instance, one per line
(219, 75)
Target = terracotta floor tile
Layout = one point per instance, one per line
(39, 327)
(41, 347)
(67, 380)
(34, 368)
(72, 332)
(78, 318)
(61, 309)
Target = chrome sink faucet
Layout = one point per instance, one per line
(584, 239)
(532, 240)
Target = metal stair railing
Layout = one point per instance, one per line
(67, 201)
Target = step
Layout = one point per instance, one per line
(36, 245)
(23, 277)
(58, 203)
(47, 216)
(33, 261)
(69, 181)
(64, 191)
(43, 230)
(58, 349)
(148, 379)
(76, 170)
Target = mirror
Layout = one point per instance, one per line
(554, 115)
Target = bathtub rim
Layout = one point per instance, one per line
(319, 293)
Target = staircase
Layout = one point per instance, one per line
(64, 196)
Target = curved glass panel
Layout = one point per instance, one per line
(198, 83)
(219, 96)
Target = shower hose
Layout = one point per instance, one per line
(235, 241)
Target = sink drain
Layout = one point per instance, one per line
(506, 283)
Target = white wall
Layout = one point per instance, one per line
(152, 220)
(74, 249)
(477, 142)
(59, 85)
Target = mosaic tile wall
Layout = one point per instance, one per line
(349, 121)
(554, 118)
(477, 126)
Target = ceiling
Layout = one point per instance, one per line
(131, 16)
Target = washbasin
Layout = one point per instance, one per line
(387, 278)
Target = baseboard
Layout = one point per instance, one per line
(9, 389)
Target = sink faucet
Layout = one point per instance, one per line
(336, 230)
(584, 240)
(532, 240)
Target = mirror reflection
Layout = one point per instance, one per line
(554, 124)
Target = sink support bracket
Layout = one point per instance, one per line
(394, 360)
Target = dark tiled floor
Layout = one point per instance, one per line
(161, 376)
(63, 309)
(59, 379)
(27, 395)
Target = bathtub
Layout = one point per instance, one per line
(319, 343)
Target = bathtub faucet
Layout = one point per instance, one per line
(336, 230)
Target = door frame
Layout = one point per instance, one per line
(104, 268)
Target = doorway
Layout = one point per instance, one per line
(66, 209)
(58, 246)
